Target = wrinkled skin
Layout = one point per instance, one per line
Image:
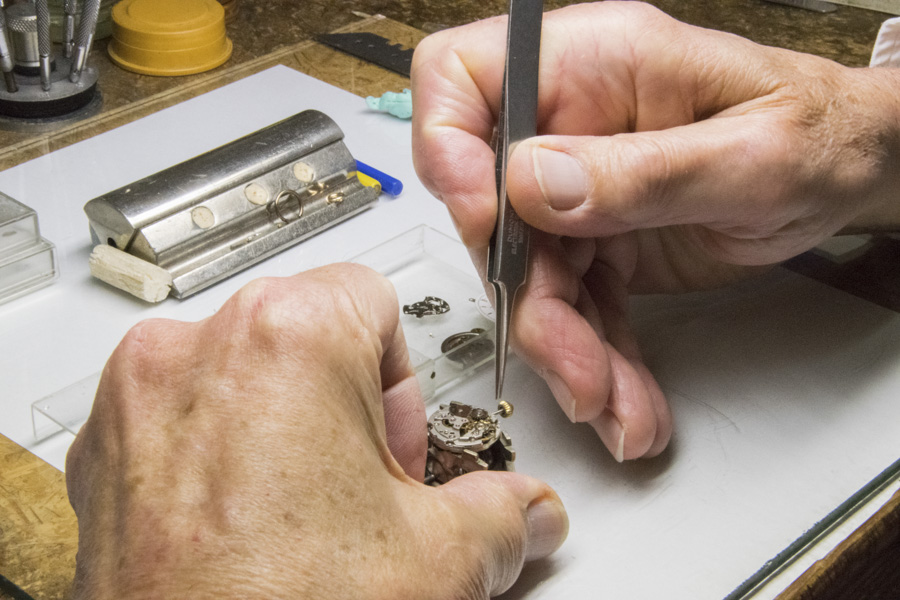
(247, 456)
(669, 158)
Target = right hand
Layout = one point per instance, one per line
(671, 158)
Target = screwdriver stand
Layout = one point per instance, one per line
(30, 101)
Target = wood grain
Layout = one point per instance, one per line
(865, 566)
(38, 530)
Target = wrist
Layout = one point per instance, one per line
(879, 89)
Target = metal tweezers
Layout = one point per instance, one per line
(517, 121)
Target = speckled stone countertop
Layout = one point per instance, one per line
(258, 28)
(845, 35)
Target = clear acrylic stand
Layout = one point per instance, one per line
(64, 410)
(444, 348)
(447, 347)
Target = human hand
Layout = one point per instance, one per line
(246, 455)
(671, 158)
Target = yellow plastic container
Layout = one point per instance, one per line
(169, 37)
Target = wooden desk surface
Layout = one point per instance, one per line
(38, 531)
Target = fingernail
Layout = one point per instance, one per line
(611, 431)
(562, 178)
(561, 392)
(620, 448)
(548, 526)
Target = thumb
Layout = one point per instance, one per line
(502, 520)
(588, 186)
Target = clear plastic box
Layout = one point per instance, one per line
(446, 347)
(27, 261)
(421, 262)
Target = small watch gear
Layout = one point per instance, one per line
(463, 439)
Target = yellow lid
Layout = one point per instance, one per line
(169, 37)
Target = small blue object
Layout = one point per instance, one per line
(399, 105)
(389, 185)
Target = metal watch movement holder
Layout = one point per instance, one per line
(218, 213)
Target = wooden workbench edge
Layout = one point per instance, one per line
(865, 566)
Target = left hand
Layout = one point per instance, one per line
(276, 449)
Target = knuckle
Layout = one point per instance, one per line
(306, 306)
(354, 272)
(551, 275)
(268, 308)
(649, 12)
(644, 190)
(652, 191)
(358, 285)
(146, 348)
(148, 360)
(265, 308)
(353, 293)
(428, 48)
(257, 296)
